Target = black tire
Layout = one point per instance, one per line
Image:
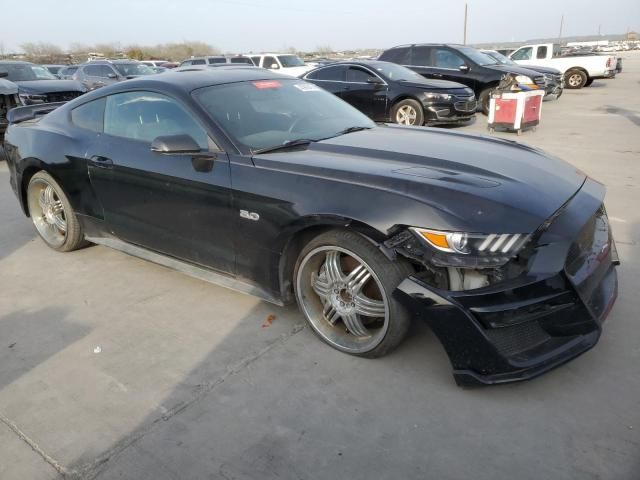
(72, 238)
(484, 98)
(588, 82)
(575, 79)
(411, 104)
(388, 273)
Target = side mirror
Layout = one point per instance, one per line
(464, 68)
(374, 80)
(274, 66)
(175, 145)
(4, 73)
(112, 75)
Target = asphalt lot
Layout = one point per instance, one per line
(111, 367)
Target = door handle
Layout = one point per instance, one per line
(101, 162)
(437, 75)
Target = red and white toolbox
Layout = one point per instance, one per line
(515, 111)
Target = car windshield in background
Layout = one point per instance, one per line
(290, 61)
(268, 113)
(477, 56)
(26, 72)
(397, 72)
(133, 69)
(501, 59)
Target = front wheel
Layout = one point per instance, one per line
(484, 99)
(408, 112)
(52, 215)
(343, 285)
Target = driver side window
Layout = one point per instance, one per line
(144, 116)
(522, 54)
(268, 62)
(447, 59)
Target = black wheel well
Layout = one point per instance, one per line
(299, 239)
(404, 97)
(580, 69)
(27, 174)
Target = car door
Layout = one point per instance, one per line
(178, 205)
(523, 56)
(366, 91)
(331, 78)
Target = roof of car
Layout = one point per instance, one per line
(191, 79)
(14, 62)
(454, 45)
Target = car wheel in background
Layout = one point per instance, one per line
(52, 215)
(484, 98)
(408, 112)
(344, 285)
(575, 79)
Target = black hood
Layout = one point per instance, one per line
(434, 84)
(7, 87)
(515, 69)
(50, 86)
(446, 180)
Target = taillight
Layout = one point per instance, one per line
(608, 62)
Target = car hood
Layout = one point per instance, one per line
(50, 86)
(451, 181)
(536, 68)
(515, 69)
(434, 85)
(7, 87)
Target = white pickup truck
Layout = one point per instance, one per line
(579, 71)
(287, 63)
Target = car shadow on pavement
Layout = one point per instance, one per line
(29, 338)
(255, 402)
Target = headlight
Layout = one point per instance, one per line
(524, 79)
(32, 98)
(460, 249)
(444, 97)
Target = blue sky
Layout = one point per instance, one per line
(255, 25)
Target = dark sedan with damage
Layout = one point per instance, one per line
(387, 92)
(38, 85)
(274, 187)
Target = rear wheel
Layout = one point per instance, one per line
(52, 215)
(408, 112)
(575, 79)
(343, 285)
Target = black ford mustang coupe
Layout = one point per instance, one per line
(275, 187)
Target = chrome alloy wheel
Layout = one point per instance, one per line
(47, 212)
(406, 115)
(343, 299)
(575, 80)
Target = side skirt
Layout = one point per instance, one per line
(187, 268)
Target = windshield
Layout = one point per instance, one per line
(290, 61)
(22, 72)
(267, 113)
(477, 56)
(130, 69)
(396, 72)
(501, 59)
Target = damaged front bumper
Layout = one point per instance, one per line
(520, 328)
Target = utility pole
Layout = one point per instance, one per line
(465, 23)
(561, 25)
(599, 29)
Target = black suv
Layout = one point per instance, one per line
(462, 64)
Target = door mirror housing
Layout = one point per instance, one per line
(4, 73)
(464, 68)
(111, 75)
(176, 145)
(375, 80)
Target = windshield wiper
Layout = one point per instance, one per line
(351, 130)
(283, 146)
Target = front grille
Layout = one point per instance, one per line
(519, 338)
(62, 96)
(465, 104)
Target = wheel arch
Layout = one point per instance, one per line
(293, 240)
(29, 167)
